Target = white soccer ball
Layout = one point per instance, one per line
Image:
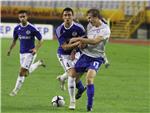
(58, 101)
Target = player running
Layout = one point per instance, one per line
(26, 33)
(93, 55)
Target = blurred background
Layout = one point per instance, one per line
(127, 19)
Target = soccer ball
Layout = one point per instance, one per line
(58, 101)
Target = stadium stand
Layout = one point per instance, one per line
(125, 17)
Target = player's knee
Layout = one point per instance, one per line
(23, 72)
(89, 80)
(72, 73)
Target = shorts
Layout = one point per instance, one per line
(26, 59)
(66, 61)
(86, 62)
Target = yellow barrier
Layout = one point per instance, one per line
(55, 13)
(113, 14)
(147, 16)
(40, 13)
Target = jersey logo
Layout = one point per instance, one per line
(98, 30)
(28, 32)
(74, 34)
(64, 31)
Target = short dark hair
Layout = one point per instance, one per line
(68, 9)
(23, 11)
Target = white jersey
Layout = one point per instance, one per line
(92, 32)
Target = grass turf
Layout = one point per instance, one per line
(122, 88)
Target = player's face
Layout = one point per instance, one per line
(23, 17)
(67, 17)
(91, 19)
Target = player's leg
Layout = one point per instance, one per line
(62, 79)
(25, 61)
(106, 62)
(73, 75)
(79, 86)
(80, 68)
(19, 81)
(95, 64)
(35, 65)
(71, 87)
(63, 59)
(90, 88)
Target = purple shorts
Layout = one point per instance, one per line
(86, 62)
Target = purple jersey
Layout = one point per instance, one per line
(26, 35)
(65, 34)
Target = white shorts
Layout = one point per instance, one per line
(66, 61)
(26, 59)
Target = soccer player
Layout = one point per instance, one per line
(93, 55)
(64, 33)
(26, 33)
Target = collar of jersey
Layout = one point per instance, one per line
(70, 26)
(24, 26)
(100, 25)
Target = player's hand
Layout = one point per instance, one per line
(33, 51)
(72, 55)
(8, 53)
(82, 45)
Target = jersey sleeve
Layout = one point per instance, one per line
(105, 33)
(37, 34)
(82, 32)
(60, 38)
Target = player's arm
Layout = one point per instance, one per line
(15, 37)
(39, 41)
(11, 47)
(91, 41)
(38, 45)
(94, 41)
(69, 46)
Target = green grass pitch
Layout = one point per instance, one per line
(122, 88)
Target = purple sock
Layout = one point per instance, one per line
(80, 86)
(90, 95)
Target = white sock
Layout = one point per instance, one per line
(19, 83)
(64, 76)
(71, 88)
(34, 66)
(106, 60)
(34, 57)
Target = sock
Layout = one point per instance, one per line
(34, 66)
(90, 94)
(19, 83)
(71, 88)
(34, 57)
(64, 76)
(80, 86)
(105, 59)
